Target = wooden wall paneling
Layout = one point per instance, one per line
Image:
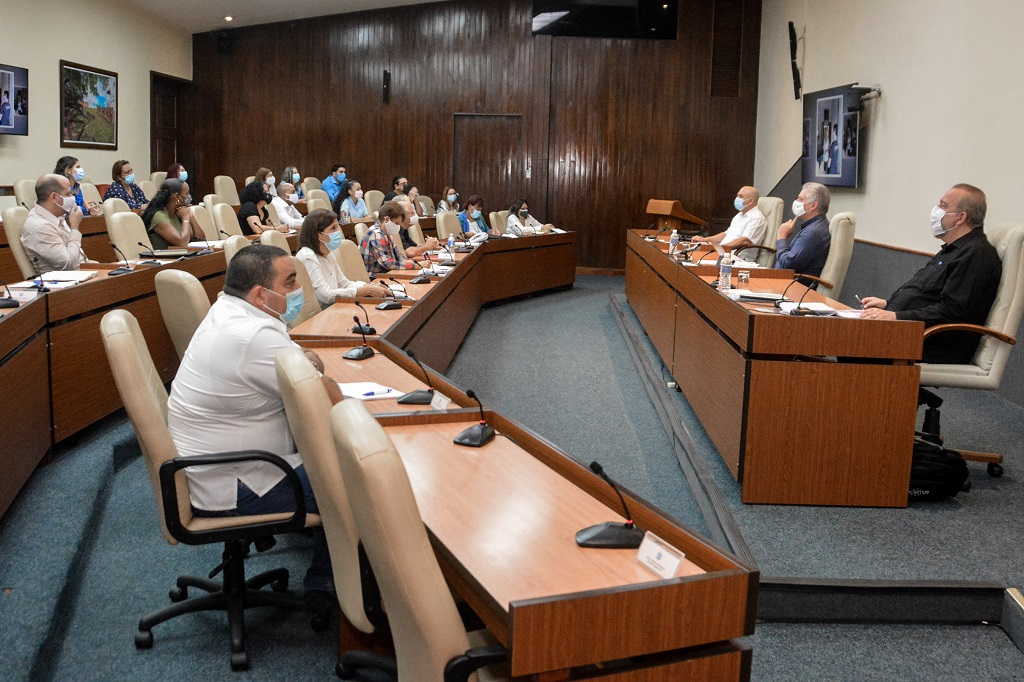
(488, 157)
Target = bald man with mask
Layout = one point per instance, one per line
(50, 235)
(747, 227)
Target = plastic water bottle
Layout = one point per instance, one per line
(345, 220)
(725, 273)
(451, 242)
(673, 242)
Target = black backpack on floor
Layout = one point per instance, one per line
(935, 472)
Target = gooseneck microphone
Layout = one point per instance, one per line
(418, 397)
(209, 249)
(405, 292)
(450, 263)
(149, 250)
(363, 329)
(7, 301)
(778, 303)
(476, 435)
(226, 235)
(122, 270)
(362, 352)
(611, 535)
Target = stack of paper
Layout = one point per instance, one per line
(368, 390)
(212, 244)
(59, 279)
(817, 308)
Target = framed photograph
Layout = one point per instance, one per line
(828, 142)
(88, 107)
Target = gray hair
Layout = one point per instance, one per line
(282, 188)
(47, 185)
(821, 196)
(973, 203)
(251, 266)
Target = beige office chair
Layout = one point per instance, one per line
(114, 205)
(310, 304)
(309, 184)
(448, 223)
(494, 220)
(502, 223)
(202, 219)
(25, 193)
(985, 372)
(272, 215)
(145, 400)
(225, 220)
(374, 198)
(431, 644)
(318, 194)
(308, 409)
(148, 188)
(233, 245)
(316, 204)
(211, 200)
(360, 230)
(764, 252)
(427, 204)
(275, 238)
(842, 228)
(126, 230)
(351, 262)
(183, 305)
(224, 186)
(90, 193)
(158, 178)
(416, 234)
(14, 221)
(249, 180)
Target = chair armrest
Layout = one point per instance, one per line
(819, 280)
(461, 667)
(169, 492)
(976, 328)
(756, 247)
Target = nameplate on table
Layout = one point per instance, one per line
(659, 556)
(440, 401)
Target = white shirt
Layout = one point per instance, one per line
(225, 398)
(327, 278)
(286, 213)
(50, 243)
(751, 225)
(517, 226)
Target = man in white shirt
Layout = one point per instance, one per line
(225, 397)
(747, 227)
(50, 235)
(284, 204)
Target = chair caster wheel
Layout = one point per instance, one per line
(144, 639)
(995, 470)
(239, 661)
(177, 594)
(320, 622)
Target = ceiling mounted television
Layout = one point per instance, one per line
(13, 100)
(651, 19)
(833, 134)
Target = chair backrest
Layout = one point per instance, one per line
(145, 400)
(771, 208)
(226, 220)
(233, 245)
(360, 229)
(202, 218)
(148, 188)
(427, 204)
(126, 230)
(90, 193)
(1008, 308)
(224, 185)
(275, 238)
(183, 305)
(425, 624)
(273, 216)
(212, 200)
(374, 198)
(351, 262)
(842, 227)
(416, 234)
(250, 179)
(308, 410)
(14, 220)
(158, 178)
(448, 223)
(318, 194)
(115, 205)
(25, 193)
(310, 304)
(309, 184)
(503, 220)
(315, 204)
(495, 220)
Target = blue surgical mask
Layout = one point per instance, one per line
(342, 176)
(737, 203)
(295, 177)
(293, 303)
(79, 174)
(334, 240)
(183, 176)
(130, 178)
(475, 214)
(452, 197)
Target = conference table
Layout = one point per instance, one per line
(815, 410)
(502, 518)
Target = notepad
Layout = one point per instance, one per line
(212, 244)
(368, 390)
(816, 308)
(754, 295)
(165, 253)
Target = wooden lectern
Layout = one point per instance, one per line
(672, 216)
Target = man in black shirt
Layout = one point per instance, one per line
(397, 183)
(959, 283)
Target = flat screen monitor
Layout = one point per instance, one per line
(13, 100)
(832, 136)
(653, 19)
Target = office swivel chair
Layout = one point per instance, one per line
(233, 245)
(128, 233)
(225, 219)
(351, 261)
(985, 371)
(148, 189)
(842, 228)
(25, 193)
(14, 221)
(373, 198)
(310, 304)
(224, 186)
(275, 238)
(431, 643)
(183, 305)
(145, 400)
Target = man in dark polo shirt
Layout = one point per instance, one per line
(959, 283)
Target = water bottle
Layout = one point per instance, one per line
(673, 242)
(345, 220)
(451, 242)
(725, 273)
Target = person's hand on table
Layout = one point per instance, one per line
(872, 302)
(697, 239)
(432, 243)
(877, 314)
(283, 228)
(786, 229)
(374, 290)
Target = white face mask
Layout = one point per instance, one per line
(271, 180)
(391, 229)
(798, 208)
(936, 217)
(359, 194)
(68, 204)
(293, 198)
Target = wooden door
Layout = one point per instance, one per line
(489, 158)
(168, 127)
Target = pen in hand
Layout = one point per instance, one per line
(857, 296)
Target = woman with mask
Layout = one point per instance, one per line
(292, 176)
(177, 172)
(123, 186)
(167, 217)
(472, 219)
(69, 167)
(521, 223)
(266, 178)
(319, 238)
(353, 205)
(449, 201)
(253, 215)
(381, 247)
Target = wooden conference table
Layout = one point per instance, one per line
(502, 518)
(803, 410)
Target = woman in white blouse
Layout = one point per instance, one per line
(449, 201)
(320, 235)
(521, 223)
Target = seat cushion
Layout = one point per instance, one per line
(200, 524)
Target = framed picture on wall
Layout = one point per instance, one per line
(88, 107)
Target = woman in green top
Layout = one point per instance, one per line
(167, 217)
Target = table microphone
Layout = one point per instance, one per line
(610, 535)
(7, 302)
(363, 329)
(208, 250)
(419, 397)
(778, 303)
(120, 271)
(148, 249)
(451, 262)
(362, 352)
(405, 292)
(422, 278)
(476, 435)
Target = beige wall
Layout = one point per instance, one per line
(107, 34)
(950, 110)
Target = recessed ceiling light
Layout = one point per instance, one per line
(229, 18)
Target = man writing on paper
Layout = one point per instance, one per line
(806, 251)
(50, 235)
(959, 283)
(747, 227)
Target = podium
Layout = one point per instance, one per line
(672, 216)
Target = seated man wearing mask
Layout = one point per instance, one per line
(412, 250)
(807, 251)
(50, 235)
(225, 397)
(334, 183)
(959, 283)
(284, 203)
(747, 227)
(381, 247)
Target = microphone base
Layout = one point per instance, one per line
(610, 535)
(389, 305)
(447, 263)
(9, 303)
(420, 397)
(364, 329)
(475, 436)
(359, 353)
(119, 271)
(420, 279)
(204, 252)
